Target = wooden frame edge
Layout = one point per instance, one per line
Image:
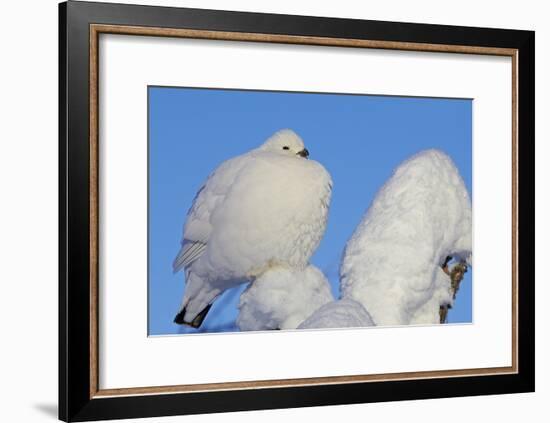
(94, 212)
(285, 383)
(296, 39)
(515, 210)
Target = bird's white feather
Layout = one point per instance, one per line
(189, 252)
(265, 208)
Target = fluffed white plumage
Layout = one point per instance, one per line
(265, 208)
(344, 313)
(392, 263)
(282, 298)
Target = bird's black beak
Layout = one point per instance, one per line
(304, 153)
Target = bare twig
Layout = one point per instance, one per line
(456, 274)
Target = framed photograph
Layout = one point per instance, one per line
(269, 211)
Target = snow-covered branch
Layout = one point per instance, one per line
(393, 262)
(282, 298)
(345, 313)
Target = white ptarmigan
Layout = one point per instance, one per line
(265, 208)
(393, 262)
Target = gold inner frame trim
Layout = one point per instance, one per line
(96, 29)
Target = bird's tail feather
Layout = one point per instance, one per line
(197, 300)
(196, 322)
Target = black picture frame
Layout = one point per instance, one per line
(76, 402)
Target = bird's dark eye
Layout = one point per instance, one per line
(286, 147)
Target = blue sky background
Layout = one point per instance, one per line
(360, 139)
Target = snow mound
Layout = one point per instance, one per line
(345, 313)
(392, 263)
(282, 298)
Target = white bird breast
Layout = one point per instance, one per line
(275, 212)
